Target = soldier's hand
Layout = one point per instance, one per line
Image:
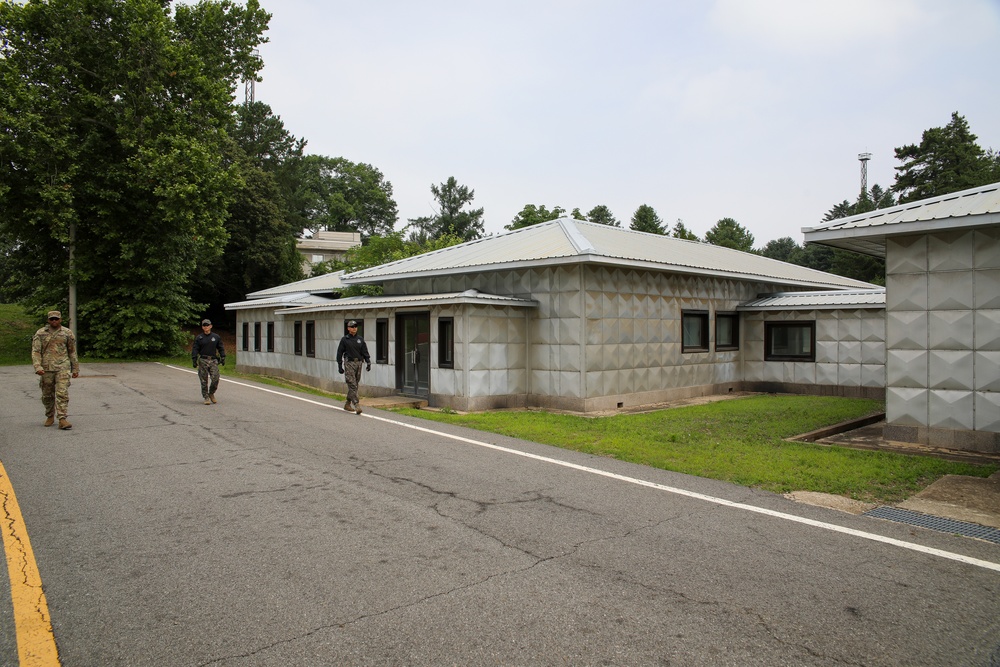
(368, 367)
(43, 372)
(223, 361)
(340, 369)
(194, 363)
(76, 375)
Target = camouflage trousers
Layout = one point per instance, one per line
(208, 373)
(55, 392)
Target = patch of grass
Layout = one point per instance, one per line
(738, 440)
(16, 330)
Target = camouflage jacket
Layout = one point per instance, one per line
(54, 350)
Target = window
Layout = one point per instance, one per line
(789, 341)
(382, 340)
(270, 336)
(256, 336)
(446, 342)
(727, 331)
(694, 337)
(246, 336)
(298, 338)
(316, 259)
(310, 338)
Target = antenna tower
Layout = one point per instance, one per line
(864, 157)
(248, 86)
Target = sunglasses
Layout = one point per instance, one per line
(54, 319)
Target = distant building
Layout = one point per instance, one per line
(325, 246)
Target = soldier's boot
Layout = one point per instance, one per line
(50, 420)
(348, 406)
(64, 425)
(207, 402)
(211, 397)
(357, 408)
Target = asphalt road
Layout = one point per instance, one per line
(277, 529)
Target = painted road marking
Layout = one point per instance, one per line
(653, 485)
(36, 645)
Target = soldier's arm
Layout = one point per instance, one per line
(36, 353)
(74, 363)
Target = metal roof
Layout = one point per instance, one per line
(355, 303)
(283, 300)
(329, 282)
(825, 300)
(866, 233)
(568, 241)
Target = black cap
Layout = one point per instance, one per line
(206, 323)
(352, 323)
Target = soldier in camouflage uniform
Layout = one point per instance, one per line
(53, 354)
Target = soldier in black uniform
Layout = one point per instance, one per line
(206, 354)
(350, 353)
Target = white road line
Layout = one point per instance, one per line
(653, 485)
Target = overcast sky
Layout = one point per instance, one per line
(750, 109)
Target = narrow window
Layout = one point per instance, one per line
(382, 340)
(310, 338)
(270, 336)
(256, 336)
(789, 341)
(446, 342)
(694, 337)
(246, 336)
(298, 338)
(727, 331)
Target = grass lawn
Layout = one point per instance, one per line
(739, 440)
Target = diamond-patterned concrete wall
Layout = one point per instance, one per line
(943, 337)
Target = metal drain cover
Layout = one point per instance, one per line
(936, 523)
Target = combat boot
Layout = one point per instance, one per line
(50, 420)
(348, 406)
(208, 402)
(64, 425)
(211, 397)
(357, 408)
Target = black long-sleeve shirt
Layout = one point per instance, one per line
(352, 348)
(208, 345)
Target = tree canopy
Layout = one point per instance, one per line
(451, 219)
(532, 215)
(682, 232)
(115, 118)
(337, 195)
(730, 234)
(645, 219)
(946, 160)
(602, 215)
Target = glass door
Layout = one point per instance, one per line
(413, 353)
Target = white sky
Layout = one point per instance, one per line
(750, 109)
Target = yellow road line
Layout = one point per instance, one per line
(36, 645)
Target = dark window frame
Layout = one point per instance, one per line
(245, 343)
(269, 336)
(310, 338)
(773, 328)
(256, 336)
(297, 339)
(703, 344)
(446, 342)
(734, 318)
(382, 340)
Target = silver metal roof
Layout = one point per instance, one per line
(825, 300)
(568, 241)
(356, 303)
(866, 232)
(283, 300)
(329, 282)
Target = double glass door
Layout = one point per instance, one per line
(413, 353)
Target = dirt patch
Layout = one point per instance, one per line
(830, 501)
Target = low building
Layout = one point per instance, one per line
(585, 317)
(325, 246)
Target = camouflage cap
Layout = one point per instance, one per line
(206, 323)
(54, 314)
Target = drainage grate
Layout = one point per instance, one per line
(936, 523)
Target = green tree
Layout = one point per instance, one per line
(115, 117)
(646, 220)
(730, 234)
(682, 232)
(337, 195)
(947, 159)
(532, 215)
(576, 214)
(602, 215)
(452, 218)
(783, 249)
